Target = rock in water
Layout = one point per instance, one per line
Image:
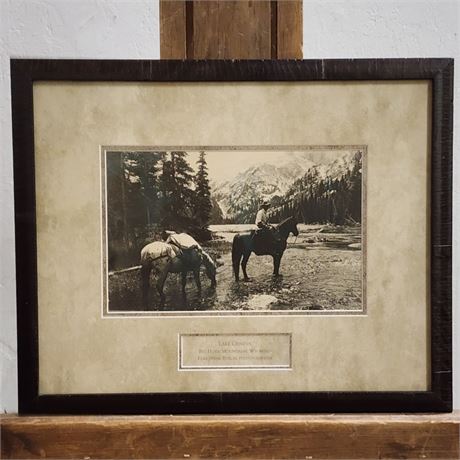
(261, 301)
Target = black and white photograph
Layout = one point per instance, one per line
(219, 229)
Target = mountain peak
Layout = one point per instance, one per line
(239, 198)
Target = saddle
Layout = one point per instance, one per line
(186, 247)
(188, 256)
(265, 241)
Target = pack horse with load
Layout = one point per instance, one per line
(180, 253)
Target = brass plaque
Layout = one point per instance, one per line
(235, 351)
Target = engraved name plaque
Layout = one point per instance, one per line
(235, 351)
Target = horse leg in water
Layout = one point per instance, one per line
(161, 282)
(276, 264)
(196, 275)
(184, 281)
(145, 279)
(237, 253)
(244, 263)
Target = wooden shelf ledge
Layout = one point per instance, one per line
(307, 437)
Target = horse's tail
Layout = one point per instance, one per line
(237, 252)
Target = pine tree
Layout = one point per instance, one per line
(203, 203)
(142, 168)
(176, 192)
(355, 187)
(183, 194)
(166, 187)
(116, 222)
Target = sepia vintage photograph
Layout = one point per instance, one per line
(233, 229)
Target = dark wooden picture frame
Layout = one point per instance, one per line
(440, 71)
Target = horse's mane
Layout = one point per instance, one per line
(285, 221)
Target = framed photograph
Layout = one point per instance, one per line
(233, 236)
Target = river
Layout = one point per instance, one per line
(321, 270)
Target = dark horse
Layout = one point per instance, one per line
(243, 245)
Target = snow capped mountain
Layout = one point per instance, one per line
(328, 192)
(241, 196)
(331, 171)
(337, 168)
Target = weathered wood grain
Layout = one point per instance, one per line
(289, 29)
(231, 29)
(206, 34)
(332, 437)
(173, 29)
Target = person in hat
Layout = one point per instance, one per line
(265, 234)
(262, 215)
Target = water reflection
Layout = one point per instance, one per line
(323, 275)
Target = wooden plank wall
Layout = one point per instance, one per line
(231, 29)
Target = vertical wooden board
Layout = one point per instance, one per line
(245, 29)
(290, 29)
(206, 29)
(172, 29)
(231, 29)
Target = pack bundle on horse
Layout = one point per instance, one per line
(180, 254)
(246, 243)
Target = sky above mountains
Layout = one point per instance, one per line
(226, 165)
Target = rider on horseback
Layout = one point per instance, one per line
(265, 233)
(262, 215)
